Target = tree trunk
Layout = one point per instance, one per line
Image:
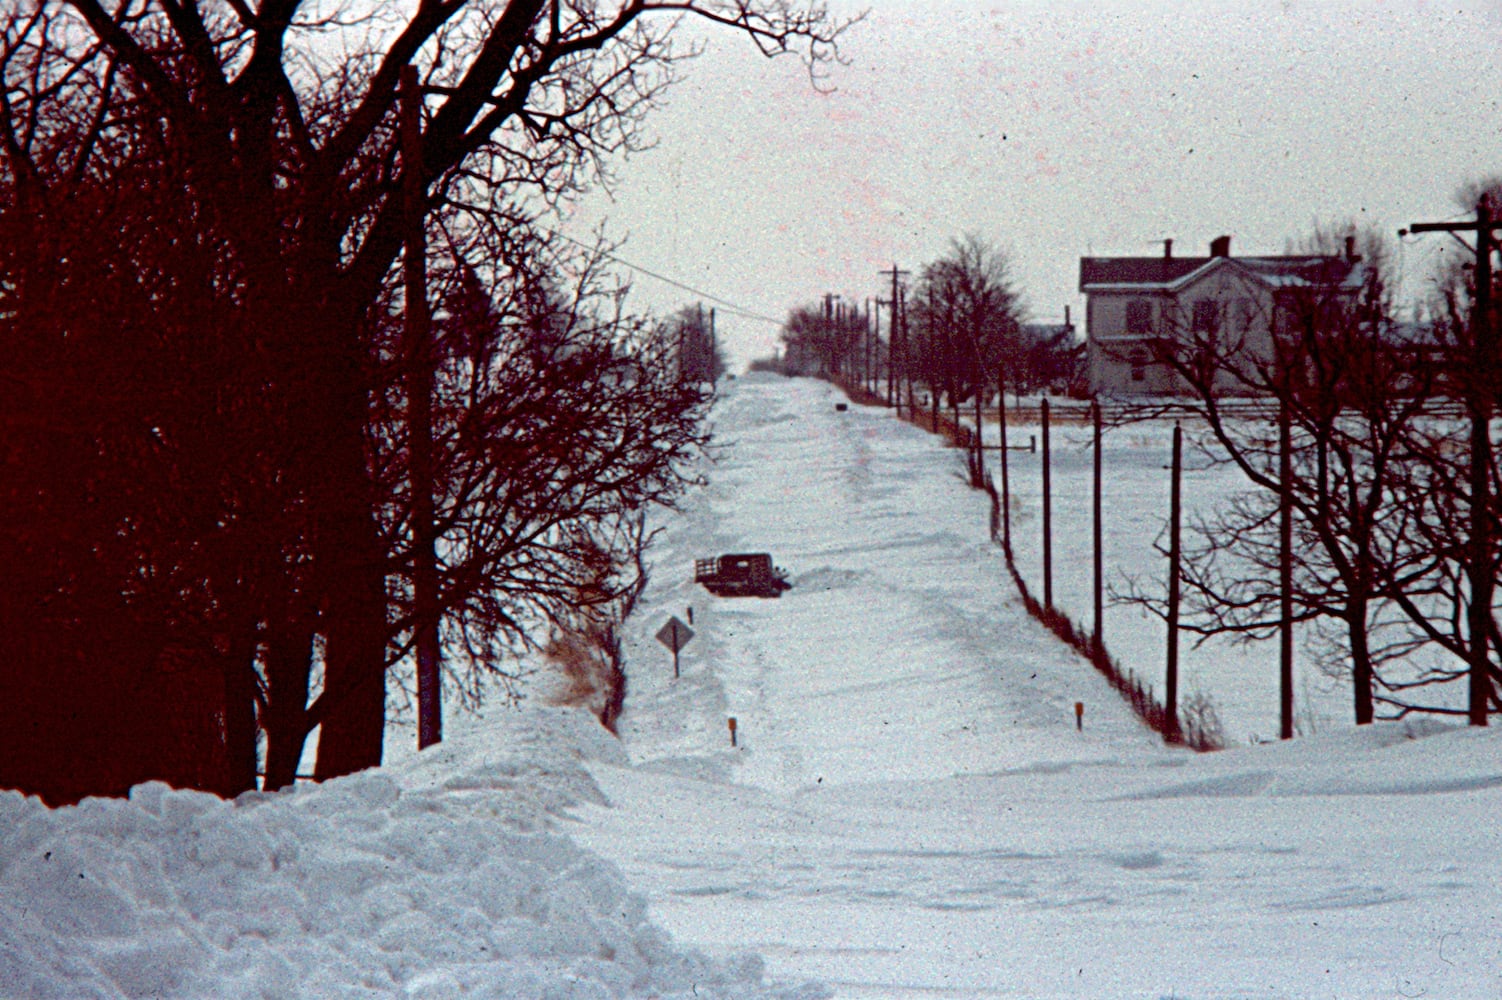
(289, 666)
(352, 583)
(354, 715)
(1361, 661)
(354, 677)
(239, 713)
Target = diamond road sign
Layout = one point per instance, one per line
(674, 635)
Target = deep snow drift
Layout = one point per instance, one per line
(910, 812)
(443, 877)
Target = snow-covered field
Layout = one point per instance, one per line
(1239, 679)
(910, 811)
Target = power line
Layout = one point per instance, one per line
(738, 310)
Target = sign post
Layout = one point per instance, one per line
(674, 635)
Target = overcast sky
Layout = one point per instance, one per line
(1055, 130)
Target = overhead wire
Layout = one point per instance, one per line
(733, 307)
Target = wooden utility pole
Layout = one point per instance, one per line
(866, 382)
(1175, 508)
(933, 390)
(1285, 573)
(899, 339)
(1006, 486)
(1097, 565)
(1479, 386)
(833, 359)
(416, 329)
(1047, 513)
(893, 364)
(840, 314)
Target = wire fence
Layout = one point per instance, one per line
(1192, 730)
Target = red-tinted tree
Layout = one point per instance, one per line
(211, 194)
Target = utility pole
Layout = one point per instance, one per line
(1097, 563)
(1479, 385)
(1047, 509)
(866, 349)
(1006, 488)
(416, 328)
(1285, 571)
(837, 336)
(892, 352)
(832, 360)
(1175, 514)
(907, 375)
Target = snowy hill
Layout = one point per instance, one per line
(910, 811)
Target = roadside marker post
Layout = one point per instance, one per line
(1079, 716)
(731, 720)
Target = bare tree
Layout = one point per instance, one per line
(1325, 356)
(1453, 609)
(700, 358)
(968, 316)
(821, 339)
(277, 165)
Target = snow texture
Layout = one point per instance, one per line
(446, 877)
(910, 810)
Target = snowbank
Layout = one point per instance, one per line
(449, 875)
(911, 810)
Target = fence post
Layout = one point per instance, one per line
(1171, 695)
(1047, 514)
(1098, 566)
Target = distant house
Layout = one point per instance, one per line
(1134, 304)
(1049, 359)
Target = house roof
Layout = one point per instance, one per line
(1136, 270)
(1046, 329)
(1165, 273)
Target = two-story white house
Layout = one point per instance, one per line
(1133, 303)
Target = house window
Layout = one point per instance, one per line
(1139, 359)
(1139, 316)
(1206, 316)
(1246, 315)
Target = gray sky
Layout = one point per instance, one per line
(1056, 130)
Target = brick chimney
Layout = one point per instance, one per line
(1220, 246)
(1168, 249)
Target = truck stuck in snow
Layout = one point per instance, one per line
(741, 575)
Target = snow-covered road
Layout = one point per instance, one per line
(911, 811)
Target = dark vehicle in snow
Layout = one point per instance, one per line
(748, 574)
